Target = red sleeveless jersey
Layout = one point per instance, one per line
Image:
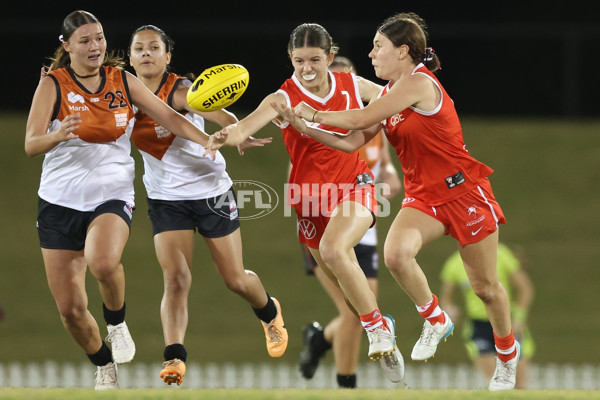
(313, 162)
(436, 164)
(148, 135)
(105, 114)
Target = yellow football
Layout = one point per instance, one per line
(218, 87)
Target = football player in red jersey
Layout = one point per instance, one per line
(447, 191)
(331, 192)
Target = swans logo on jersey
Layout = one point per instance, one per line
(407, 200)
(307, 228)
(77, 98)
(253, 199)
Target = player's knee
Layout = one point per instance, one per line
(178, 282)
(71, 312)
(237, 284)
(486, 291)
(398, 258)
(104, 267)
(332, 253)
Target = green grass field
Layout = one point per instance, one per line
(546, 180)
(290, 394)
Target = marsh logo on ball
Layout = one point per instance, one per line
(218, 87)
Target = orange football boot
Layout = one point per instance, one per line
(275, 333)
(173, 371)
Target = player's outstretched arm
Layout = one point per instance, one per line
(347, 143)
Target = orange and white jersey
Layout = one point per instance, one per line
(436, 164)
(175, 168)
(313, 163)
(86, 172)
(371, 154)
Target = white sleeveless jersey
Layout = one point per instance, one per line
(183, 173)
(84, 173)
(175, 168)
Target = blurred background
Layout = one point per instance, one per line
(523, 78)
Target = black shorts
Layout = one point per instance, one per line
(368, 259)
(483, 336)
(367, 256)
(213, 217)
(64, 228)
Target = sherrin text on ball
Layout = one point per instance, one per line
(218, 87)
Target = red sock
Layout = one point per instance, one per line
(372, 321)
(432, 312)
(506, 347)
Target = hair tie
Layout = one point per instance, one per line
(429, 54)
(60, 38)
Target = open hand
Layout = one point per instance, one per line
(252, 142)
(215, 142)
(70, 124)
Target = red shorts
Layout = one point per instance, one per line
(312, 220)
(470, 218)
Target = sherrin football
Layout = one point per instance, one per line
(218, 87)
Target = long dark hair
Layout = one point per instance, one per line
(411, 30)
(70, 24)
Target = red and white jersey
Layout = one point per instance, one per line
(175, 168)
(436, 164)
(313, 162)
(86, 172)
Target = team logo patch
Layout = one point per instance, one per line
(128, 209)
(233, 211)
(455, 180)
(474, 219)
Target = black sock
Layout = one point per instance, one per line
(319, 343)
(113, 317)
(268, 312)
(176, 350)
(346, 381)
(102, 356)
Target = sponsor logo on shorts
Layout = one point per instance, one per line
(307, 228)
(473, 233)
(475, 219)
(233, 211)
(128, 208)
